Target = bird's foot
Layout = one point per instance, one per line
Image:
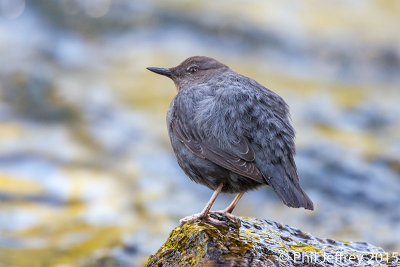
(227, 214)
(200, 216)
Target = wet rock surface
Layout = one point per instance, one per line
(255, 242)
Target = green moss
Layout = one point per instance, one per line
(191, 242)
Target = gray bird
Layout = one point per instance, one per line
(231, 134)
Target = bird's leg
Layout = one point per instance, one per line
(228, 211)
(203, 215)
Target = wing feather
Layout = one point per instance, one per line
(237, 156)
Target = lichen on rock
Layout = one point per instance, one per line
(256, 242)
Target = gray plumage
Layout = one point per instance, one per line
(227, 128)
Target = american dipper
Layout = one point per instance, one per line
(231, 134)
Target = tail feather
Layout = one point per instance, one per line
(286, 186)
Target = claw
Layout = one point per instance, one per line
(227, 214)
(191, 218)
(202, 217)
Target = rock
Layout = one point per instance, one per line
(256, 242)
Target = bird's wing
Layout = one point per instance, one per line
(236, 156)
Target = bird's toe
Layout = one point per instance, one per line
(199, 216)
(192, 217)
(226, 214)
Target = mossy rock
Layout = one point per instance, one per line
(255, 242)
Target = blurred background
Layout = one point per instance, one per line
(87, 174)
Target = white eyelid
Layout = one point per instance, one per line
(193, 66)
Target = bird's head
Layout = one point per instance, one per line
(192, 71)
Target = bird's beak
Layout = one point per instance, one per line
(162, 71)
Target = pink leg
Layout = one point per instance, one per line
(228, 211)
(203, 215)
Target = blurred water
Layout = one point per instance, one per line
(87, 175)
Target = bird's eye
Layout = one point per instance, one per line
(193, 69)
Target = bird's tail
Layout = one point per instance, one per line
(285, 183)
